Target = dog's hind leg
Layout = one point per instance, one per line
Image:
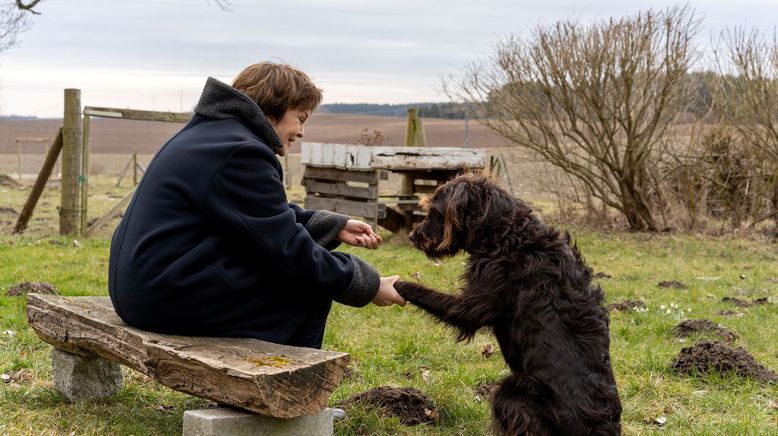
(516, 412)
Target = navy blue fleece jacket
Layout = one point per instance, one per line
(209, 244)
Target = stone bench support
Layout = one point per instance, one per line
(235, 422)
(80, 378)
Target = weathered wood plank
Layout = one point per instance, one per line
(346, 207)
(340, 175)
(439, 176)
(265, 378)
(424, 189)
(341, 189)
(134, 114)
(360, 157)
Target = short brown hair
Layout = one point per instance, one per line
(276, 88)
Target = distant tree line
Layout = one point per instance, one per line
(452, 111)
(699, 104)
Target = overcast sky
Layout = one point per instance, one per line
(156, 54)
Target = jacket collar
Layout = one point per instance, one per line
(221, 101)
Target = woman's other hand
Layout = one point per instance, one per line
(359, 234)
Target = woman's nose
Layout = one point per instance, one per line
(301, 132)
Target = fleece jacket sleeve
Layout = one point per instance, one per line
(303, 215)
(247, 200)
(323, 225)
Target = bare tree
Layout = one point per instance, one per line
(748, 86)
(225, 5)
(29, 7)
(593, 100)
(747, 96)
(14, 19)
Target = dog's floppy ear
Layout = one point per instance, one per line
(456, 201)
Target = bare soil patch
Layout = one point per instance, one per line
(24, 288)
(691, 327)
(745, 303)
(626, 306)
(708, 357)
(671, 284)
(410, 405)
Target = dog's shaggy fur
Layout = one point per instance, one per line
(527, 283)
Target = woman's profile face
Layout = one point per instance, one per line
(290, 127)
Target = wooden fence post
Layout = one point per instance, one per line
(414, 130)
(40, 183)
(84, 179)
(414, 137)
(71, 163)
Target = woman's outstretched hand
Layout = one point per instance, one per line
(387, 295)
(359, 234)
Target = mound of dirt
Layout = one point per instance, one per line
(24, 288)
(486, 389)
(706, 357)
(671, 284)
(410, 405)
(8, 181)
(690, 327)
(744, 303)
(8, 210)
(626, 306)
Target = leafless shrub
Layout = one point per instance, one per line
(717, 179)
(747, 95)
(592, 100)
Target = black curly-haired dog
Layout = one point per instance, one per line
(526, 282)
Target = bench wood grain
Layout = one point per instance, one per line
(266, 378)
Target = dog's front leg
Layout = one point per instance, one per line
(450, 309)
(432, 301)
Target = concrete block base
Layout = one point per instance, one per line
(237, 422)
(80, 378)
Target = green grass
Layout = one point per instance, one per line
(402, 347)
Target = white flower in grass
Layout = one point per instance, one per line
(662, 307)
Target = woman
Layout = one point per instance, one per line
(209, 245)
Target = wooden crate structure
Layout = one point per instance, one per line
(346, 178)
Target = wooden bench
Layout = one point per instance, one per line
(287, 386)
